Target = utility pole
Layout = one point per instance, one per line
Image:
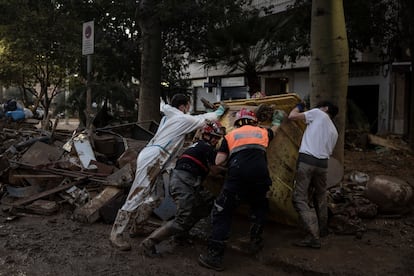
(88, 49)
(88, 92)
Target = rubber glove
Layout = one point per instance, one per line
(220, 110)
(277, 117)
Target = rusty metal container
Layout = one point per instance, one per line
(282, 153)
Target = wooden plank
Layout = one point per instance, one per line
(90, 211)
(121, 178)
(386, 143)
(40, 207)
(45, 193)
(40, 153)
(36, 176)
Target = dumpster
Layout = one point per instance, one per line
(282, 154)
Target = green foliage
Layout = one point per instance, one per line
(186, 26)
(41, 40)
(41, 44)
(249, 39)
(38, 39)
(372, 26)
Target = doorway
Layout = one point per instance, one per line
(362, 107)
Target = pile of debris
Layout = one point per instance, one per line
(360, 196)
(40, 171)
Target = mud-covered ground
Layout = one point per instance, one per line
(57, 245)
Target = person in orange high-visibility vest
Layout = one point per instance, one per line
(248, 180)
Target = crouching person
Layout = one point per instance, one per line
(247, 181)
(193, 201)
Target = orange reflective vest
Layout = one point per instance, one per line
(247, 137)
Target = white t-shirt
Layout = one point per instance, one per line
(320, 135)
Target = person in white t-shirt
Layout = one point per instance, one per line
(318, 142)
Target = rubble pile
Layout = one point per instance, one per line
(348, 205)
(360, 196)
(41, 171)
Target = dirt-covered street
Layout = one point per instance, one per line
(58, 245)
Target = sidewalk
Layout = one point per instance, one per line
(67, 124)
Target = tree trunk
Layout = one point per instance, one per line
(330, 62)
(408, 28)
(411, 98)
(253, 82)
(150, 84)
(1, 93)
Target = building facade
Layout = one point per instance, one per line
(378, 92)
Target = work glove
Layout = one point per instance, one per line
(278, 117)
(301, 106)
(220, 110)
(217, 170)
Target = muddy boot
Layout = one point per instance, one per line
(256, 240)
(147, 246)
(183, 240)
(310, 242)
(141, 225)
(141, 230)
(214, 257)
(119, 226)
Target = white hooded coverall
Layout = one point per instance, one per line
(156, 156)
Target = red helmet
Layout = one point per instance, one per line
(214, 128)
(247, 114)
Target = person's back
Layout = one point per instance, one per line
(197, 158)
(248, 180)
(247, 153)
(173, 128)
(320, 135)
(317, 145)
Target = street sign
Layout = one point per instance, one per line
(88, 38)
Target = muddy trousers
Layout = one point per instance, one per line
(162, 233)
(122, 221)
(309, 199)
(137, 211)
(228, 201)
(192, 200)
(119, 226)
(193, 203)
(142, 201)
(222, 214)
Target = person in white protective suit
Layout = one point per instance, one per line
(143, 196)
